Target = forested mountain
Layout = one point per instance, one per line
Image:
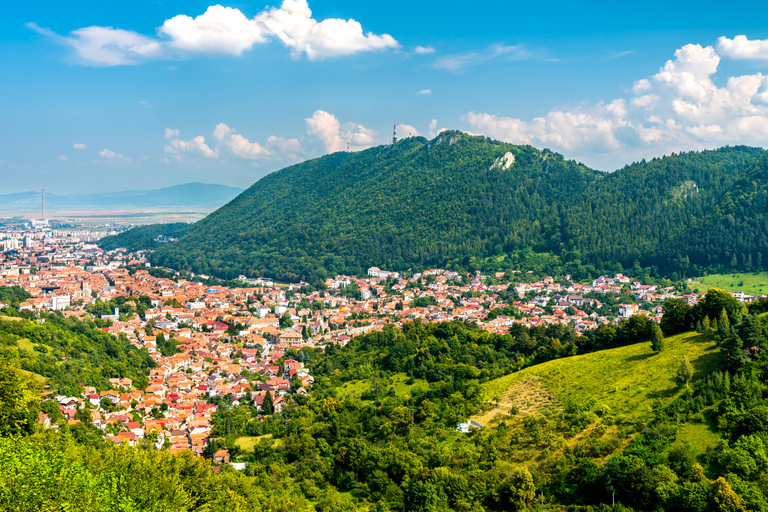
(457, 200)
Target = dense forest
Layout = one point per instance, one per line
(66, 353)
(143, 237)
(454, 202)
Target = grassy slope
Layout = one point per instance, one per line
(356, 388)
(25, 344)
(626, 379)
(754, 284)
(246, 443)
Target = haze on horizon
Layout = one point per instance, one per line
(107, 97)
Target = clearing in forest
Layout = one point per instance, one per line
(626, 379)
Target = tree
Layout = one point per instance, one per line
(286, 321)
(676, 316)
(725, 498)
(17, 401)
(401, 419)
(174, 303)
(684, 373)
(723, 325)
(521, 487)
(751, 333)
(268, 406)
(714, 302)
(657, 338)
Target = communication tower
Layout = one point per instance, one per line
(394, 135)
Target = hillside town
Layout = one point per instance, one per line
(216, 345)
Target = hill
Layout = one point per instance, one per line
(625, 379)
(617, 430)
(66, 353)
(750, 283)
(458, 200)
(200, 195)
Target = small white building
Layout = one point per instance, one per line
(469, 426)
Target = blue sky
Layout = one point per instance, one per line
(96, 96)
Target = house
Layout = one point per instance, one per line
(471, 425)
(627, 310)
(221, 456)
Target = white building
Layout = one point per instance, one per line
(60, 302)
(377, 272)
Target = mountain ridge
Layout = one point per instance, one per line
(457, 200)
(186, 194)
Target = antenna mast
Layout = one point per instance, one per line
(394, 135)
(347, 144)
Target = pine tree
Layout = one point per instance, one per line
(723, 325)
(706, 327)
(685, 372)
(657, 338)
(731, 347)
(268, 406)
(699, 327)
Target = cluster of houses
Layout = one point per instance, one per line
(232, 341)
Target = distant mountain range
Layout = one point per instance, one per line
(467, 202)
(188, 195)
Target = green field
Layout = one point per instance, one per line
(247, 443)
(626, 379)
(752, 284)
(355, 388)
(25, 344)
(699, 436)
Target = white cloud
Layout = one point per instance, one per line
(334, 136)
(195, 145)
(423, 50)
(405, 130)
(237, 144)
(79, 146)
(106, 46)
(294, 26)
(459, 61)
(425, 91)
(680, 107)
(226, 137)
(225, 31)
(62, 158)
(106, 153)
(742, 48)
(291, 148)
(219, 30)
(433, 132)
